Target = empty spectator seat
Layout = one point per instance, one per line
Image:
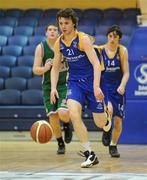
(14, 12)
(18, 40)
(1, 83)
(6, 30)
(18, 83)
(10, 97)
(4, 72)
(3, 40)
(8, 60)
(35, 40)
(23, 30)
(25, 61)
(12, 50)
(35, 83)
(32, 97)
(29, 50)
(21, 71)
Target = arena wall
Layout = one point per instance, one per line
(44, 4)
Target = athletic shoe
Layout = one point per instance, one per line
(67, 132)
(91, 159)
(61, 150)
(114, 152)
(106, 138)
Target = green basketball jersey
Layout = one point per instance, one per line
(48, 55)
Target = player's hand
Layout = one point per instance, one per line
(121, 90)
(53, 96)
(98, 94)
(48, 65)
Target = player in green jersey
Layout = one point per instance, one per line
(44, 55)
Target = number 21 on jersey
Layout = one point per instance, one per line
(70, 52)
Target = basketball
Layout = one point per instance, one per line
(41, 132)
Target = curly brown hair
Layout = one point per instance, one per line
(70, 14)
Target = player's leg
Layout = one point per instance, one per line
(106, 136)
(80, 129)
(117, 129)
(75, 110)
(100, 114)
(76, 99)
(118, 107)
(63, 113)
(55, 124)
(67, 127)
(115, 136)
(51, 111)
(107, 118)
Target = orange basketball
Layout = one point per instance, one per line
(41, 131)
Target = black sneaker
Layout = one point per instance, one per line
(61, 150)
(67, 132)
(106, 138)
(114, 152)
(91, 159)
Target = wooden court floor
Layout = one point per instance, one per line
(22, 158)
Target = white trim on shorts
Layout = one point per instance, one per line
(54, 112)
(63, 108)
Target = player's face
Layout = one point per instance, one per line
(113, 38)
(52, 32)
(66, 25)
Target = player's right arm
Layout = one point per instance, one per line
(38, 69)
(55, 72)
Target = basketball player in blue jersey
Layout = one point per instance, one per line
(116, 75)
(83, 81)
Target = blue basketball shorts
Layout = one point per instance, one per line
(82, 91)
(118, 103)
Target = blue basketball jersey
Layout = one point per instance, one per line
(113, 73)
(78, 63)
(112, 77)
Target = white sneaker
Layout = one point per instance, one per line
(91, 159)
(107, 127)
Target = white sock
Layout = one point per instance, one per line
(112, 144)
(86, 146)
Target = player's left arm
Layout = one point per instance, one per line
(91, 54)
(125, 70)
